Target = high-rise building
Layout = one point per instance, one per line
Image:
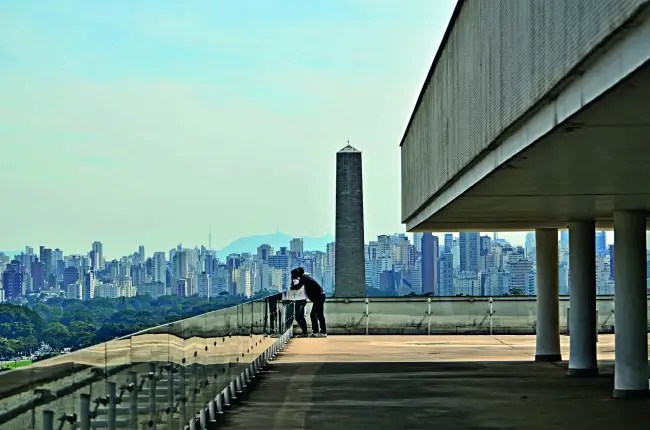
(12, 280)
(430, 263)
(519, 268)
(350, 267)
(449, 243)
(611, 262)
(98, 249)
(530, 245)
(264, 252)
(88, 292)
(70, 276)
(469, 251)
(417, 241)
(38, 276)
(296, 246)
(159, 267)
(141, 253)
(205, 285)
(446, 274)
(564, 241)
(601, 243)
(467, 284)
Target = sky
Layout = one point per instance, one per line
(156, 122)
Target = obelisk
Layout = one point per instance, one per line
(349, 272)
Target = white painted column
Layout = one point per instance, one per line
(548, 300)
(582, 284)
(631, 315)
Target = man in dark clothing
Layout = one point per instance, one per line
(316, 295)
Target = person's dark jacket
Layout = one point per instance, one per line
(312, 288)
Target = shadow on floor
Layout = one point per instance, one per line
(458, 395)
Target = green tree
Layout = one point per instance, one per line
(56, 335)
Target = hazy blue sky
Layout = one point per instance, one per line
(152, 122)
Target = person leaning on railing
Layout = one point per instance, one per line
(299, 299)
(314, 292)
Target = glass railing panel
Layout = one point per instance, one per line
(514, 315)
(398, 316)
(344, 316)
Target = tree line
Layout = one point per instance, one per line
(70, 323)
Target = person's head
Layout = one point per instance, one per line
(297, 272)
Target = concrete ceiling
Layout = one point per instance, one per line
(596, 162)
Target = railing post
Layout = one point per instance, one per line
(233, 391)
(226, 397)
(170, 387)
(202, 419)
(219, 403)
(211, 411)
(84, 411)
(491, 312)
(110, 416)
(133, 400)
(429, 316)
(152, 392)
(367, 315)
(181, 390)
(48, 420)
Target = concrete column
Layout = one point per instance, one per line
(548, 300)
(582, 283)
(631, 315)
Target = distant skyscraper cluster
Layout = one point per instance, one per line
(466, 264)
(469, 264)
(181, 272)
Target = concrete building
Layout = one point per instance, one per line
(349, 269)
(558, 141)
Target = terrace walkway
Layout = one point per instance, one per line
(444, 382)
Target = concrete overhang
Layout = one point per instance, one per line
(583, 154)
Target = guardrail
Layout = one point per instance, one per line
(449, 315)
(174, 376)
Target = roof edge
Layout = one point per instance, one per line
(434, 64)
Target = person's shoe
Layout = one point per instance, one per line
(314, 335)
(303, 335)
(320, 335)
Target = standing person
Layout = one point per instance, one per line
(316, 295)
(299, 299)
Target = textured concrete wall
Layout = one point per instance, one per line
(349, 275)
(500, 60)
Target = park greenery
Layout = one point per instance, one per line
(69, 323)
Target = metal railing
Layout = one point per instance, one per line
(173, 376)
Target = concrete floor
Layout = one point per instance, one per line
(444, 382)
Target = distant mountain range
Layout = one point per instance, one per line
(250, 244)
(276, 240)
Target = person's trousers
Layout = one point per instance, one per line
(299, 314)
(317, 315)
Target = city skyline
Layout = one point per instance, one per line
(466, 263)
(515, 238)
